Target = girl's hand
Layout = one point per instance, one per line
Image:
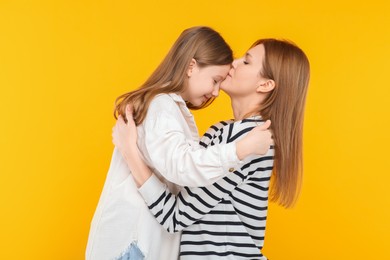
(124, 136)
(257, 141)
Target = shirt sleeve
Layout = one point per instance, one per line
(175, 213)
(184, 161)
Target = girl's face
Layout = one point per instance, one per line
(244, 76)
(203, 83)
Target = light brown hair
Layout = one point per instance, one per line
(287, 65)
(201, 43)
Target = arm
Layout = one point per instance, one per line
(175, 213)
(185, 163)
(124, 136)
(172, 155)
(191, 204)
(178, 212)
(128, 147)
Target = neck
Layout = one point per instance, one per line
(244, 107)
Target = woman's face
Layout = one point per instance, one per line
(244, 76)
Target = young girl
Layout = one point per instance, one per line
(228, 218)
(188, 77)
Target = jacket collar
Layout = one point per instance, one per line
(182, 104)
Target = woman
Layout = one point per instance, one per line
(228, 218)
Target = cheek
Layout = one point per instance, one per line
(195, 83)
(240, 74)
(246, 77)
(205, 85)
(209, 87)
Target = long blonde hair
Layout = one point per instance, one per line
(287, 65)
(201, 43)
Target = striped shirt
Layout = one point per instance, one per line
(226, 219)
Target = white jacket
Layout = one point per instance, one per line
(169, 141)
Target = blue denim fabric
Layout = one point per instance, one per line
(132, 253)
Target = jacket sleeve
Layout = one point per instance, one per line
(184, 161)
(175, 213)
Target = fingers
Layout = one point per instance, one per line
(120, 120)
(266, 124)
(129, 113)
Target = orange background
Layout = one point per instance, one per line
(63, 63)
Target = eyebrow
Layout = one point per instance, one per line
(248, 54)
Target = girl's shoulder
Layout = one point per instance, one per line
(162, 102)
(163, 99)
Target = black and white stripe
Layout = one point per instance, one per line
(226, 219)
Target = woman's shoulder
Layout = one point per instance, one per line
(214, 131)
(221, 124)
(249, 122)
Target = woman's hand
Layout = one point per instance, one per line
(257, 141)
(124, 136)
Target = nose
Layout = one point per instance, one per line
(215, 92)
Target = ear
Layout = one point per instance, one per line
(265, 86)
(191, 67)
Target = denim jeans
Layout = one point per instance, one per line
(132, 253)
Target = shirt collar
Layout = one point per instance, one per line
(182, 104)
(177, 98)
